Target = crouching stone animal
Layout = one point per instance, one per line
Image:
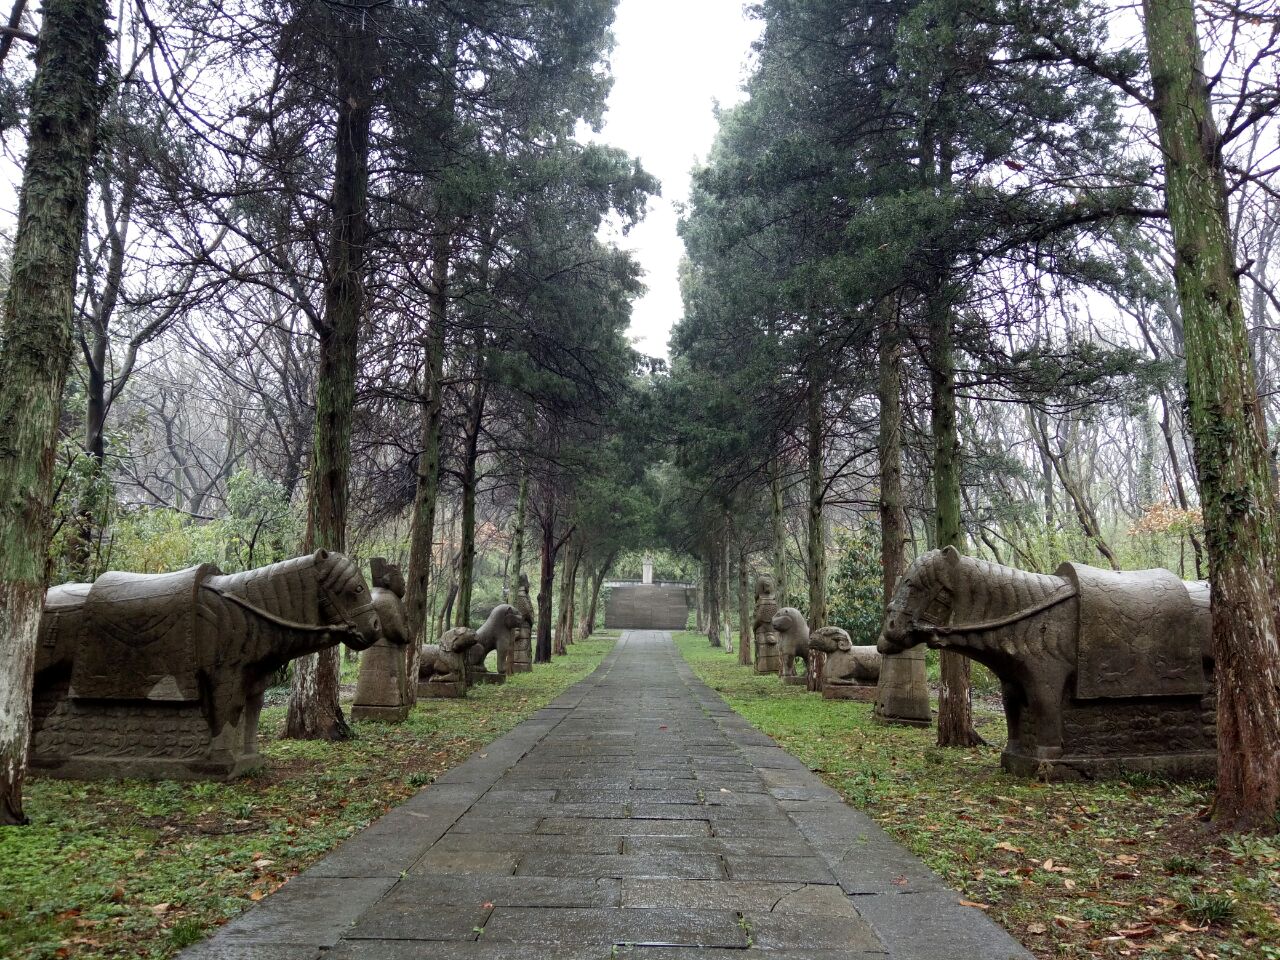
(162, 675)
(442, 667)
(1102, 673)
(851, 672)
(793, 640)
(499, 632)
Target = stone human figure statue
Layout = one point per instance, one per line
(768, 656)
(522, 649)
(382, 689)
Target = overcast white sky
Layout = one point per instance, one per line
(674, 60)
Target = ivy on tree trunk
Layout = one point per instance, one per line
(1237, 494)
(65, 106)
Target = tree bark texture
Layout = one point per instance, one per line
(314, 712)
(517, 535)
(66, 100)
(745, 638)
(712, 591)
(778, 531)
(422, 524)
(1237, 494)
(817, 552)
(955, 708)
(902, 693)
(546, 583)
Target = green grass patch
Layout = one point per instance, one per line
(1119, 869)
(143, 869)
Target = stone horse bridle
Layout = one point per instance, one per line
(924, 624)
(347, 617)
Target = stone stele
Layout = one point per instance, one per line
(162, 675)
(1102, 673)
(768, 655)
(850, 672)
(382, 688)
(522, 650)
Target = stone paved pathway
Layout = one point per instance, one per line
(636, 817)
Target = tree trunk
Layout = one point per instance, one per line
(467, 561)
(515, 567)
(955, 709)
(1226, 423)
(712, 591)
(587, 625)
(778, 530)
(546, 583)
(902, 693)
(422, 524)
(65, 106)
(744, 607)
(314, 712)
(723, 586)
(817, 552)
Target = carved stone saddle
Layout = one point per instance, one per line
(137, 638)
(1139, 634)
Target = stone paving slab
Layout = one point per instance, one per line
(635, 818)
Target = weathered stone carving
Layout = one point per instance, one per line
(442, 670)
(850, 672)
(498, 632)
(162, 676)
(522, 648)
(793, 641)
(768, 656)
(1101, 672)
(382, 688)
(902, 695)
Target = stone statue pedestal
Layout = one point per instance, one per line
(449, 690)
(102, 740)
(381, 685)
(1173, 738)
(863, 692)
(396, 714)
(794, 681)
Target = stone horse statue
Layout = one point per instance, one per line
(768, 659)
(162, 675)
(1101, 672)
(856, 668)
(382, 688)
(498, 632)
(793, 639)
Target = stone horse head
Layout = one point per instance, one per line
(923, 599)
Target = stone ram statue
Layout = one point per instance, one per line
(851, 672)
(162, 675)
(498, 632)
(382, 688)
(793, 641)
(1102, 672)
(442, 667)
(768, 658)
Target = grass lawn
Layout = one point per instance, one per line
(1122, 869)
(142, 869)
